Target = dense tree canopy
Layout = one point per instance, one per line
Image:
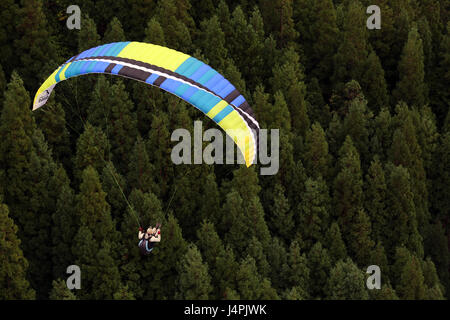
(364, 174)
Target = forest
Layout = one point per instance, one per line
(364, 154)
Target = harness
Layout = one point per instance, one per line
(145, 245)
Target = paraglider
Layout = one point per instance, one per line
(173, 71)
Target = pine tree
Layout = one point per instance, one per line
(374, 84)
(9, 10)
(34, 45)
(403, 222)
(223, 13)
(201, 11)
(356, 125)
(427, 134)
(317, 110)
(123, 293)
(136, 21)
(379, 258)
(319, 264)
(2, 85)
(296, 271)
(26, 170)
(335, 134)
(313, 211)
(88, 36)
(187, 196)
(173, 21)
(212, 42)
(316, 158)
(375, 193)
(159, 148)
(256, 251)
(385, 293)
(234, 75)
(140, 169)
(411, 282)
(411, 87)
(92, 208)
(346, 282)
(209, 204)
(295, 293)
(60, 291)
(441, 177)
(16, 128)
(105, 286)
(286, 33)
(194, 280)
(245, 220)
(278, 16)
(348, 193)
(53, 124)
(406, 151)
(113, 111)
(263, 107)
(442, 95)
(363, 245)
(433, 287)
(114, 32)
(13, 264)
(154, 33)
(243, 36)
(64, 224)
(92, 150)
(84, 249)
(211, 247)
(350, 59)
(325, 32)
(226, 274)
(382, 134)
(251, 285)
(277, 256)
(281, 219)
(436, 246)
(335, 244)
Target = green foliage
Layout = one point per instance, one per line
(154, 33)
(319, 264)
(411, 87)
(348, 193)
(364, 154)
(347, 282)
(251, 285)
(296, 270)
(88, 36)
(194, 281)
(351, 56)
(92, 150)
(316, 158)
(13, 264)
(60, 291)
(114, 32)
(34, 44)
(314, 211)
(212, 42)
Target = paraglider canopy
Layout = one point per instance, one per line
(172, 71)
